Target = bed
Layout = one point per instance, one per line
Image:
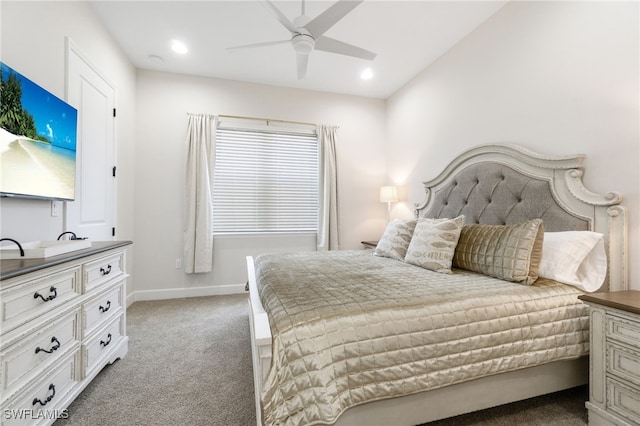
(338, 338)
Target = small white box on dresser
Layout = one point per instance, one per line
(614, 379)
(62, 319)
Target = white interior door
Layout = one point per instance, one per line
(93, 212)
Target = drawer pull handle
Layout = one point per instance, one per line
(52, 388)
(104, 309)
(55, 347)
(105, 271)
(103, 343)
(46, 299)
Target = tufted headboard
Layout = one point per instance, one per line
(507, 184)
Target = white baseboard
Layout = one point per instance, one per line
(181, 293)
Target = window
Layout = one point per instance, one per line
(265, 178)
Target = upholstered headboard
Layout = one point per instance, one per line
(507, 184)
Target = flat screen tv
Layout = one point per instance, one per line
(37, 140)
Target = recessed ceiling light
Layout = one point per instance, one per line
(156, 59)
(179, 47)
(367, 74)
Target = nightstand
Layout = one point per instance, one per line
(369, 244)
(614, 359)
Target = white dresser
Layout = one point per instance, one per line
(62, 319)
(614, 381)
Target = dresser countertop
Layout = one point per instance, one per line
(628, 301)
(10, 268)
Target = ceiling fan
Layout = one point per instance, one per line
(308, 34)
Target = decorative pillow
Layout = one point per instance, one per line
(577, 258)
(395, 239)
(434, 242)
(508, 252)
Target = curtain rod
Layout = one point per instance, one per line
(241, 117)
(267, 120)
(200, 113)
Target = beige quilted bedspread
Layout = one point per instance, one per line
(349, 327)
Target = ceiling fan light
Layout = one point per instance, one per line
(303, 44)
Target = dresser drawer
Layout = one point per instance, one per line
(98, 311)
(28, 358)
(42, 400)
(101, 270)
(624, 400)
(623, 330)
(33, 298)
(98, 347)
(624, 363)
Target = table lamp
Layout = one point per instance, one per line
(388, 194)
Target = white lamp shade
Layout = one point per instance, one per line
(388, 194)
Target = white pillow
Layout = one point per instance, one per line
(433, 243)
(577, 258)
(395, 239)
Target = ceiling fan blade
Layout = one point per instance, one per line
(303, 60)
(327, 19)
(280, 16)
(327, 44)
(255, 45)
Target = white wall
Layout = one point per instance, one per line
(163, 101)
(150, 140)
(33, 43)
(555, 77)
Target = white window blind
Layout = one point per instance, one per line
(265, 179)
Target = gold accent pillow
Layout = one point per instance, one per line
(395, 239)
(434, 242)
(508, 252)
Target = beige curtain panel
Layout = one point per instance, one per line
(328, 195)
(198, 238)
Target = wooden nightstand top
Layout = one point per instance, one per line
(628, 301)
(369, 243)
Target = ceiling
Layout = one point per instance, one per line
(406, 35)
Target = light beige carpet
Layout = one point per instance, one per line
(189, 363)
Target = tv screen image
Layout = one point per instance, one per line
(38, 133)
